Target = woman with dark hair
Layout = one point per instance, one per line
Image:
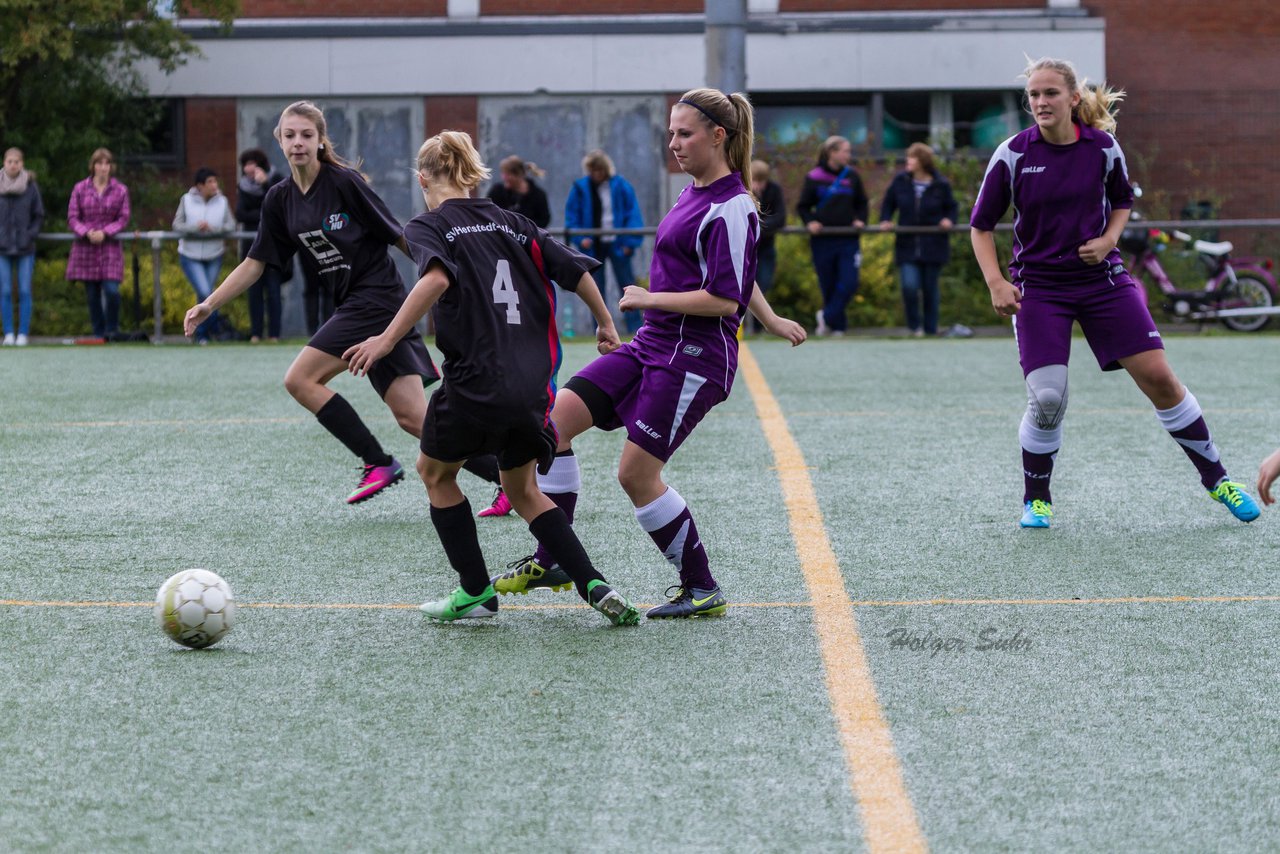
(203, 210)
(21, 214)
(833, 197)
(257, 176)
(97, 211)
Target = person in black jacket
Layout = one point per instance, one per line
(21, 214)
(833, 196)
(920, 196)
(773, 216)
(256, 177)
(518, 192)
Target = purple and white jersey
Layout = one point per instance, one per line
(1062, 197)
(707, 241)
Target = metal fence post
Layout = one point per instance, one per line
(158, 296)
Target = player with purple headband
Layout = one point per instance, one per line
(682, 361)
(1069, 186)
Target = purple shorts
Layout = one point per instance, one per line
(657, 403)
(1114, 318)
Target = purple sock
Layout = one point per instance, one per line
(670, 524)
(1185, 423)
(1036, 471)
(561, 484)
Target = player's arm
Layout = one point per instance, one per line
(237, 282)
(606, 334)
(697, 303)
(428, 289)
(1005, 298)
(1096, 251)
(775, 325)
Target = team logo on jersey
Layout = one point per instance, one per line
(692, 350)
(337, 222)
(1031, 170)
(647, 429)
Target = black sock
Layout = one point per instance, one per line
(553, 531)
(484, 467)
(457, 530)
(339, 418)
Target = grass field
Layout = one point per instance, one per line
(851, 493)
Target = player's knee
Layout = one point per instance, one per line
(1047, 395)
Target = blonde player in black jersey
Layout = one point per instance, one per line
(487, 277)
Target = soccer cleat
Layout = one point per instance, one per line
(527, 574)
(610, 603)
(1036, 513)
(460, 605)
(375, 479)
(690, 602)
(501, 505)
(1239, 502)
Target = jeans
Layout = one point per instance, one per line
(98, 293)
(623, 276)
(918, 279)
(203, 275)
(264, 298)
(836, 261)
(317, 301)
(25, 264)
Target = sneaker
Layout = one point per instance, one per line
(375, 479)
(1239, 502)
(1035, 514)
(610, 603)
(690, 603)
(527, 574)
(22, 340)
(821, 330)
(459, 605)
(501, 505)
(8, 337)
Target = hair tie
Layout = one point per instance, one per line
(713, 119)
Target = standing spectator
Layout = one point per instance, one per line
(317, 300)
(203, 210)
(257, 175)
(773, 216)
(21, 214)
(518, 192)
(604, 199)
(921, 196)
(97, 212)
(833, 197)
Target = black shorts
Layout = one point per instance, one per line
(451, 434)
(356, 320)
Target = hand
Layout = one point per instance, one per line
(202, 226)
(857, 223)
(626, 250)
(787, 329)
(1005, 297)
(1096, 251)
(259, 175)
(96, 236)
(586, 244)
(607, 338)
(814, 226)
(361, 357)
(1266, 476)
(886, 224)
(196, 315)
(635, 298)
(946, 223)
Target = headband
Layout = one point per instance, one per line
(713, 119)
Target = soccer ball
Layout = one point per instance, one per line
(195, 608)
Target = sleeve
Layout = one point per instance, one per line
(228, 220)
(541, 211)
(995, 193)
(632, 218)
(574, 214)
(37, 214)
(1119, 188)
(374, 215)
(951, 210)
(890, 204)
(118, 224)
(560, 263)
(427, 245)
(773, 213)
(808, 200)
(242, 213)
(180, 218)
(74, 215)
(727, 242)
(272, 245)
(860, 201)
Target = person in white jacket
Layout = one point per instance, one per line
(203, 210)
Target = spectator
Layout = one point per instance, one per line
(203, 210)
(256, 177)
(921, 196)
(773, 216)
(21, 214)
(97, 212)
(604, 199)
(519, 193)
(317, 300)
(833, 197)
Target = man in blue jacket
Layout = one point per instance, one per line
(604, 199)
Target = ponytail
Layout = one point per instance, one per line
(451, 155)
(734, 114)
(1098, 104)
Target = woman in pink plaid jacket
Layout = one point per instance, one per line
(97, 212)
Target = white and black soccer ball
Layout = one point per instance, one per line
(195, 608)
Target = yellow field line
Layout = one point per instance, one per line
(889, 820)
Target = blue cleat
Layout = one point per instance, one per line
(1036, 513)
(1239, 502)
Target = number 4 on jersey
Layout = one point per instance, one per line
(504, 292)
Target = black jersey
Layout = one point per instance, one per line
(496, 323)
(342, 229)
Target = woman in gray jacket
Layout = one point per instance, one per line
(21, 214)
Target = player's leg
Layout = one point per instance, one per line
(1042, 329)
(451, 516)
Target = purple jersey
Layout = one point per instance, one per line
(707, 241)
(1062, 197)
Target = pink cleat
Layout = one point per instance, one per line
(501, 505)
(375, 479)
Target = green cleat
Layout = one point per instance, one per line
(1239, 502)
(610, 603)
(527, 574)
(460, 605)
(1035, 514)
(690, 603)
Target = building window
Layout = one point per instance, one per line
(790, 118)
(164, 143)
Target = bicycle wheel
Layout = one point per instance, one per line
(1247, 292)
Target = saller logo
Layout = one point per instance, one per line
(646, 428)
(1032, 169)
(692, 350)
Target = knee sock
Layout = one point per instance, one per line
(556, 536)
(1039, 451)
(457, 530)
(1185, 423)
(484, 467)
(339, 418)
(561, 485)
(670, 524)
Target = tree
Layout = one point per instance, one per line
(69, 79)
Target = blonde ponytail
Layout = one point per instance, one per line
(735, 115)
(1098, 104)
(451, 155)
